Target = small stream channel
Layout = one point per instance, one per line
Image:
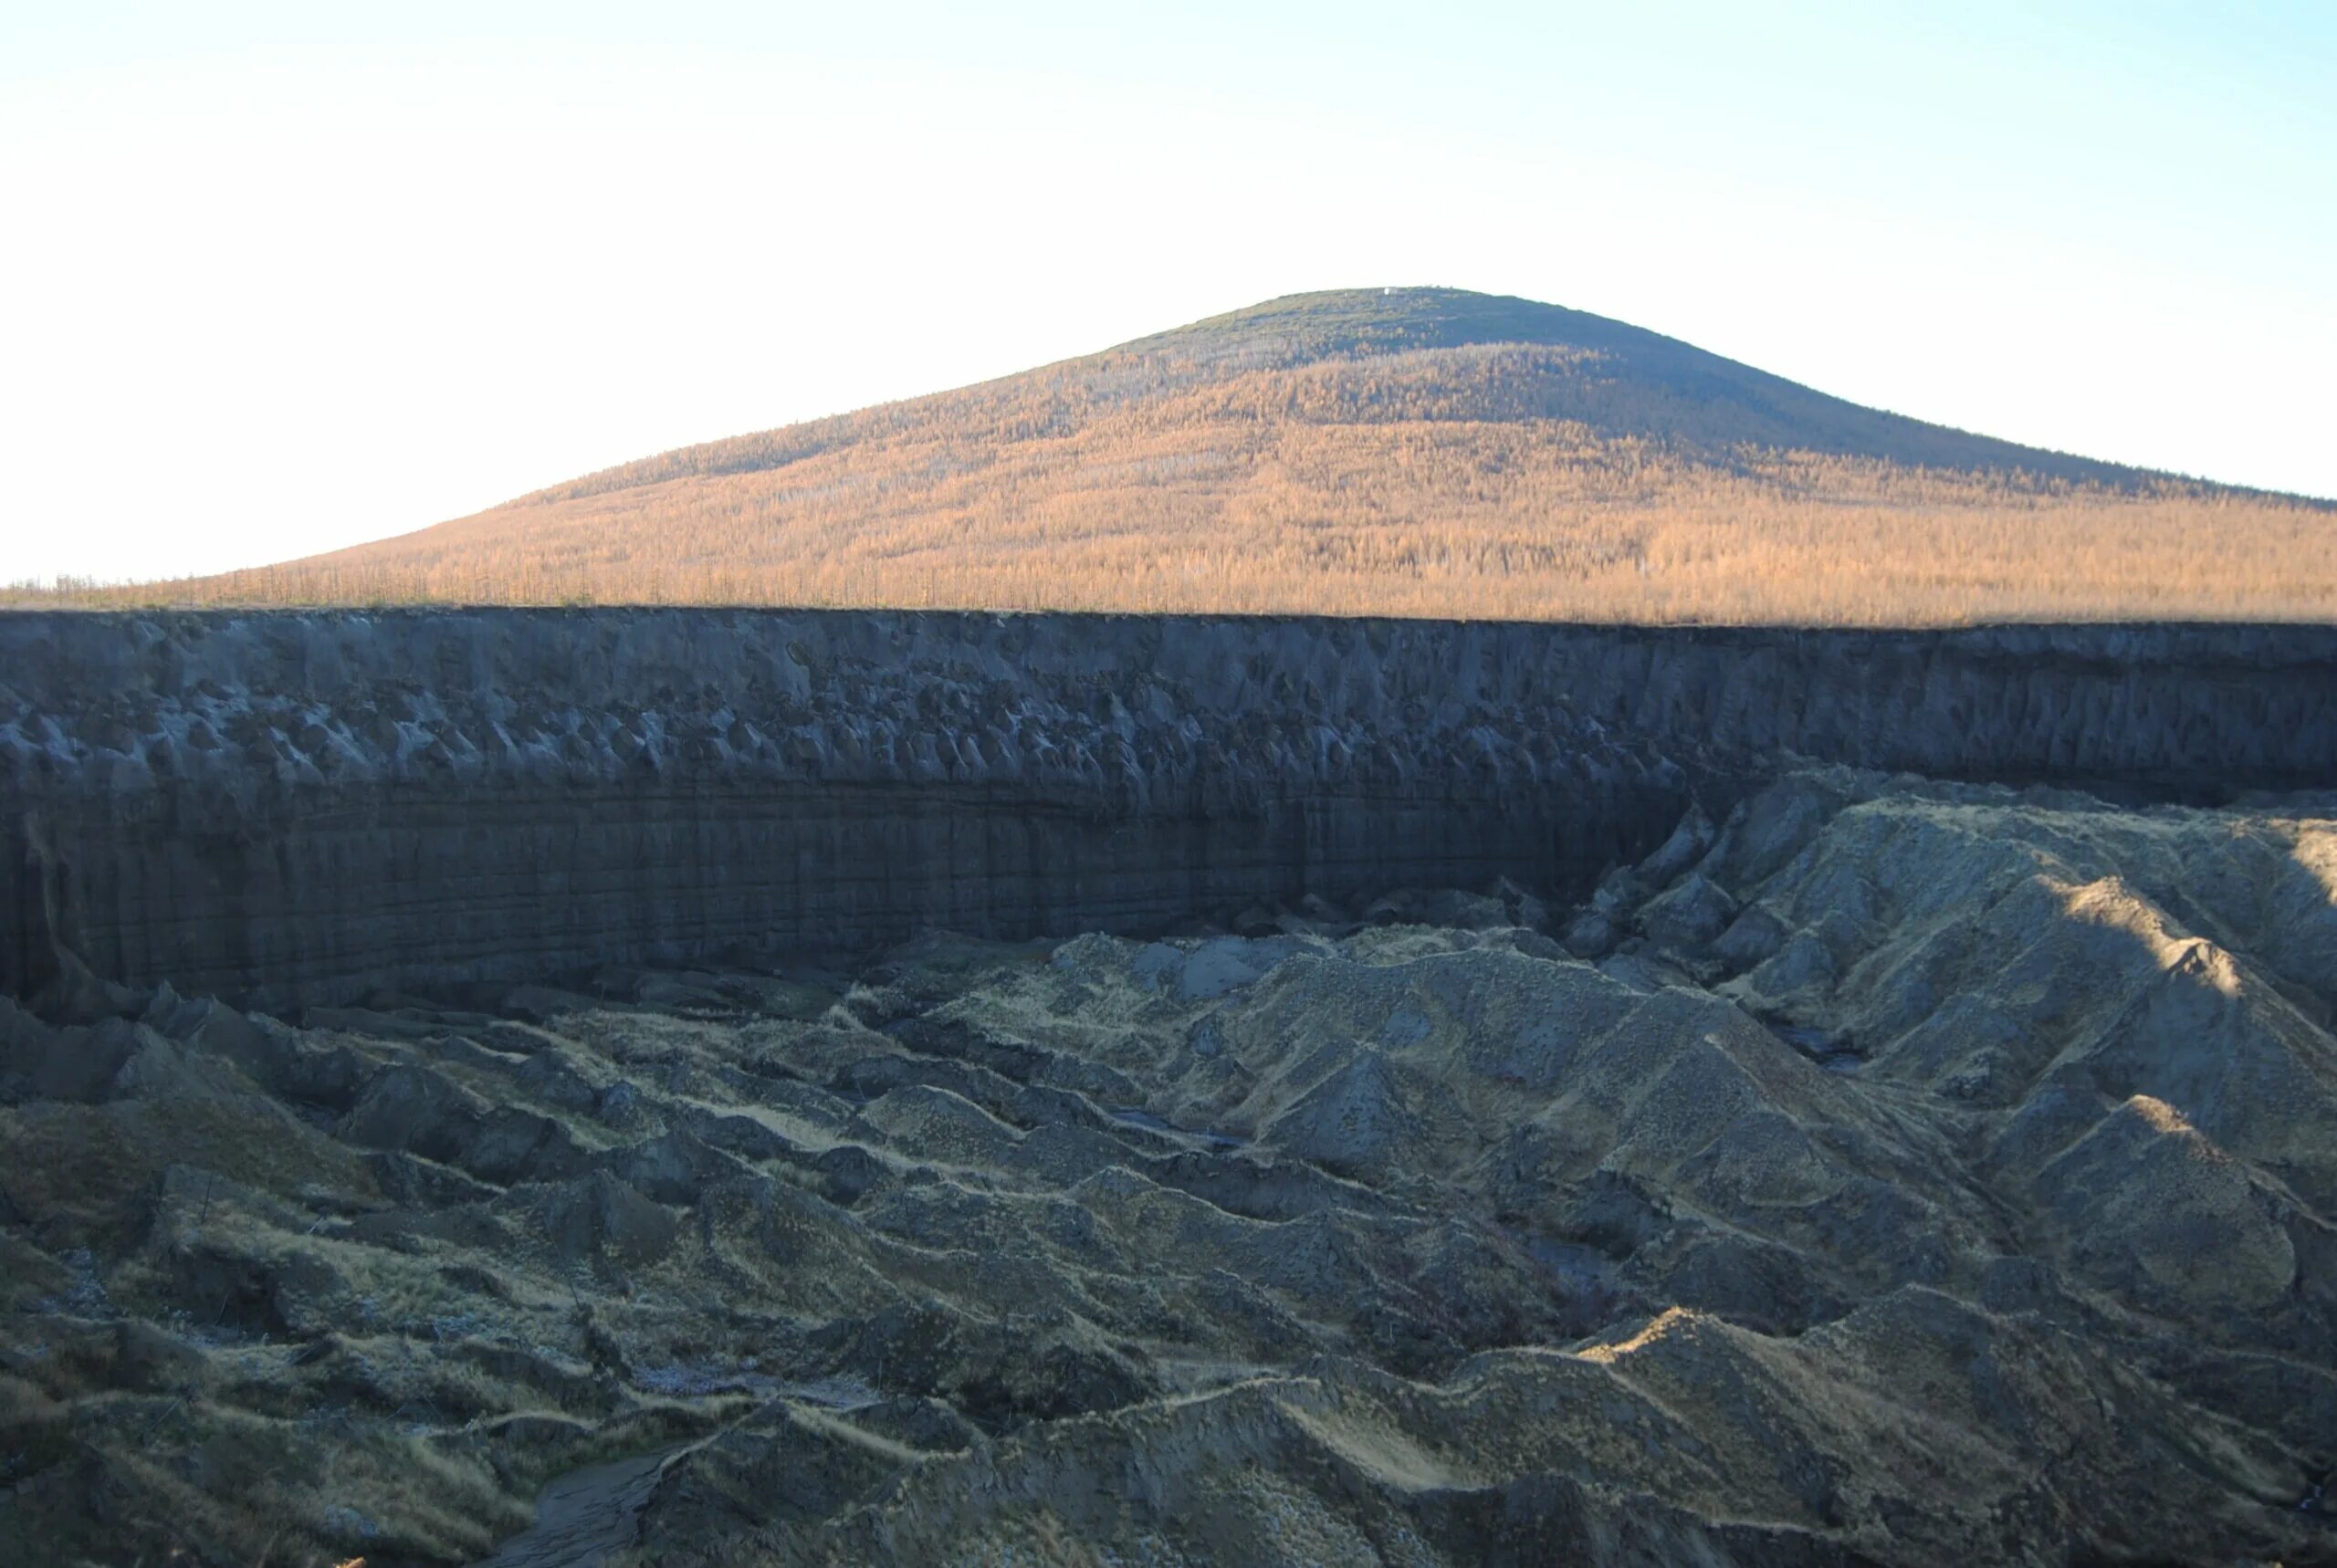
(584, 1515)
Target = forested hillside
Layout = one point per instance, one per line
(1408, 451)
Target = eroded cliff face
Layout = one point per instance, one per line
(316, 804)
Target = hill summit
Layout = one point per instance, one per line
(1390, 451)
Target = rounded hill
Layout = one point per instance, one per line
(1388, 450)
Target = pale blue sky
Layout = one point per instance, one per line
(279, 278)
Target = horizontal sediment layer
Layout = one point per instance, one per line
(327, 801)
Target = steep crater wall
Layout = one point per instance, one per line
(316, 803)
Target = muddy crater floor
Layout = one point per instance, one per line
(1890, 1172)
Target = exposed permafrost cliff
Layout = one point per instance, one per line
(322, 803)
